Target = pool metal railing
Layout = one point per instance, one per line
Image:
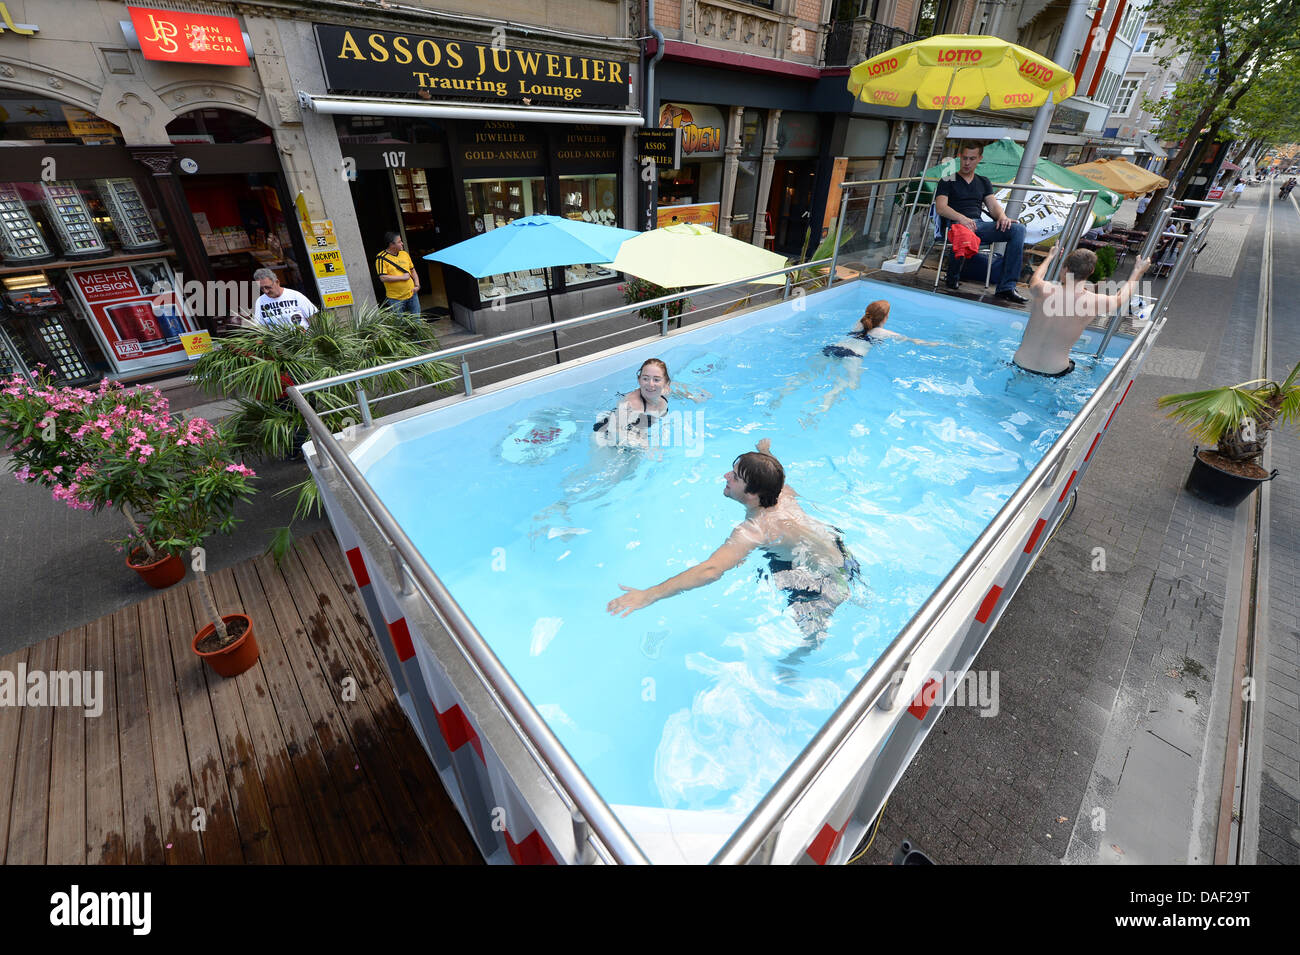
(590, 811)
(593, 819)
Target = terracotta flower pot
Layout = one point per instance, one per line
(159, 574)
(234, 659)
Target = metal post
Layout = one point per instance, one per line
(1148, 246)
(663, 320)
(364, 405)
(785, 294)
(464, 374)
(586, 855)
(839, 231)
(399, 568)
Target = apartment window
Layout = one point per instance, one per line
(1124, 98)
(1106, 90)
(932, 19)
(1146, 41)
(1128, 27)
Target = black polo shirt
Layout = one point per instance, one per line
(965, 197)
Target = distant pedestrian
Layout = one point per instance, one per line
(1143, 203)
(278, 305)
(395, 269)
(1237, 190)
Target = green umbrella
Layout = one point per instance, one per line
(1045, 212)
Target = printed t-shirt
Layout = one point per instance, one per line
(395, 263)
(289, 309)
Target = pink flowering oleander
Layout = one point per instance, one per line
(240, 469)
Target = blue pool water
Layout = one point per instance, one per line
(687, 704)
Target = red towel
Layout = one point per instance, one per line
(964, 242)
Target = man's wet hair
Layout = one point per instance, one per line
(762, 474)
(1081, 263)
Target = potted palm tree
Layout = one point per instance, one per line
(1237, 419)
(200, 501)
(256, 365)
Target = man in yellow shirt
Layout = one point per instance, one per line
(396, 270)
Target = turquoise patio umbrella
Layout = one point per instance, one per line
(535, 242)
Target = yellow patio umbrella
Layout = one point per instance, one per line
(1120, 175)
(687, 253)
(958, 71)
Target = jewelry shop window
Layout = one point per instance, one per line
(493, 203)
(589, 199)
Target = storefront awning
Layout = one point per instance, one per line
(1153, 146)
(433, 109)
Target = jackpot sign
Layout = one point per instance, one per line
(384, 61)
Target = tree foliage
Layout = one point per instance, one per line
(1231, 45)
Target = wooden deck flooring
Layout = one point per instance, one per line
(276, 764)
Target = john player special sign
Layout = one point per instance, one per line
(380, 61)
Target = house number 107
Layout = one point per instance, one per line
(394, 159)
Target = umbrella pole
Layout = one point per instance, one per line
(921, 185)
(555, 336)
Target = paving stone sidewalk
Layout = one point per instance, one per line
(1108, 679)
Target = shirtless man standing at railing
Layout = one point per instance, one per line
(1060, 313)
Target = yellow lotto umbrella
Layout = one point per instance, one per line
(959, 71)
(1120, 175)
(687, 253)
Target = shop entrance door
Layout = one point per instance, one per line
(418, 204)
(789, 204)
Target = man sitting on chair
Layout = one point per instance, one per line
(962, 199)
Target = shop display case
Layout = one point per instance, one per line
(413, 197)
(11, 362)
(589, 199)
(72, 219)
(20, 238)
(126, 207)
(39, 328)
(493, 203)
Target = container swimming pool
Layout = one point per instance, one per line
(685, 713)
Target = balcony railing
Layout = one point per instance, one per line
(849, 42)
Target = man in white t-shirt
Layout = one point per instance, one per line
(1237, 190)
(278, 305)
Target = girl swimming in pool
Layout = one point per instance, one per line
(629, 423)
(850, 350)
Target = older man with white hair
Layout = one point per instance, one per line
(278, 305)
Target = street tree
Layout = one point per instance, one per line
(1236, 42)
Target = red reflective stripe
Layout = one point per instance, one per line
(456, 730)
(1033, 538)
(532, 850)
(1094, 446)
(825, 843)
(401, 635)
(1117, 404)
(1066, 489)
(990, 601)
(924, 700)
(358, 565)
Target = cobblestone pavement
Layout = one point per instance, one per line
(1272, 818)
(1110, 680)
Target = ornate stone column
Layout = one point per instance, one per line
(735, 129)
(770, 146)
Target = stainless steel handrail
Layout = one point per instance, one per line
(507, 338)
(764, 820)
(557, 760)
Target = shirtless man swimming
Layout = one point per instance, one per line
(807, 558)
(1060, 313)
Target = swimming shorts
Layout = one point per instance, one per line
(1043, 374)
(812, 594)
